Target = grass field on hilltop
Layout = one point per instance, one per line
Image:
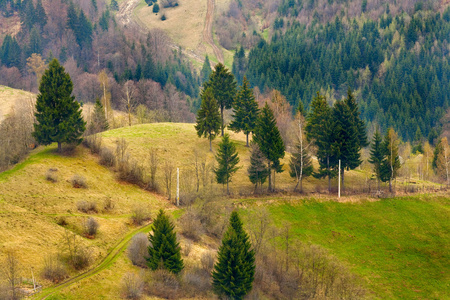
(401, 246)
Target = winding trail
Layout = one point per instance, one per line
(208, 30)
(112, 256)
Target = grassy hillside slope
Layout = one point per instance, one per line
(10, 97)
(401, 246)
(31, 206)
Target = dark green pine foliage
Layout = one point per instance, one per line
(208, 118)
(269, 140)
(234, 271)
(58, 115)
(10, 53)
(239, 65)
(438, 149)
(164, 250)
(223, 87)
(349, 134)
(114, 5)
(319, 130)
(35, 45)
(391, 161)
(257, 171)
(40, 15)
(227, 158)
(206, 70)
(377, 155)
(245, 110)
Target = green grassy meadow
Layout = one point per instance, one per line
(400, 246)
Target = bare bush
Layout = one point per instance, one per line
(132, 172)
(53, 269)
(138, 250)
(153, 162)
(107, 158)
(187, 248)
(139, 215)
(190, 225)
(108, 204)
(62, 221)
(51, 175)
(78, 181)
(207, 260)
(164, 284)
(75, 253)
(196, 281)
(93, 142)
(90, 227)
(87, 206)
(132, 286)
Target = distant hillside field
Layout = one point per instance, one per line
(10, 97)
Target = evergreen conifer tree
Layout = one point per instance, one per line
(319, 130)
(164, 250)
(223, 87)
(40, 15)
(99, 122)
(257, 171)
(58, 115)
(234, 271)
(377, 155)
(208, 118)
(227, 158)
(206, 70)
(245, 110)
(269, 140)
(391, 162)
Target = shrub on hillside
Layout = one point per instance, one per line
(90, 227)
(93, 142)
(196, 281)
(87, 206)
(51, 175)
(74, 253)
(132, 286)
(53, 269)
(155, 8)
(164, 284)
(78, 181)
(138, 250)
(190, 225)
(139, 215)
(107, 157)
(108, 204)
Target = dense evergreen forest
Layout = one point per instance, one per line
(397, 64)
(86, 37)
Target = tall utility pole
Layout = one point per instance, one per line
(339, 180)
(178, 186)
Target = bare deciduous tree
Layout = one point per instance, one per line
(168, 171)
(11, 272)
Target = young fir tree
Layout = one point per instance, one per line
(58, 115)
(377, 155)
(234, 271)
(269, 140)
(227, 158)
(164, 250)
(300, 164)
(319, 130)
(223, 86)
(206, 70)
(257, 171)
(391, 162)
(349, 134)
(99, 123)
(208, 118)
(245, 110)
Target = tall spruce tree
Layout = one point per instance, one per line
(391, 161)
(99, 122)
(208, 118)
(206, 70)
(257, 171)
(223, 86)
(58, 115)
(164, 250)
(245, 110)
(377, 155)
(227, 158)
(319, 130)
(269, 140)
(234, 271)
(349, 134)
